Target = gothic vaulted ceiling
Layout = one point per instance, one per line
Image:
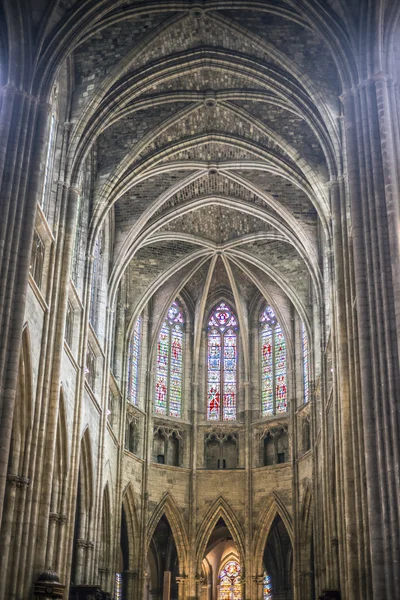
(215, 130)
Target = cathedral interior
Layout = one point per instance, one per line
(199, 299)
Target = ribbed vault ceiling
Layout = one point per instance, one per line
(215, 129)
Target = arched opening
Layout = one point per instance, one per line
(123, 559)
(173, 450)
(221, 566)
(159, 447)
(82, 545)
(163, 564)
(277, 560)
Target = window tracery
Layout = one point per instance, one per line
(222, 364)
(273, 365)
(133, 364)
(169, 370)
(229, 581)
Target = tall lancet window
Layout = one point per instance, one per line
(304, 343)
(273, 365)
(133, 364)
(96, 278)
(168, 389)
(222, 364)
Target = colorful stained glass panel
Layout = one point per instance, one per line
(175, 393)
(267, 587)
(230, 345)
(280, 370)
(162, 370)
(214, 375)
(267, 388)
(229, 582)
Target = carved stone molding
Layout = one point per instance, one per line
(18, 481)
(58, 517)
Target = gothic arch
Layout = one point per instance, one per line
(129, 504)
(276, 507)
(170, 509)
(156, 331)
(306, 516)
(23, 412)
(58, 497)
(86, 470)
(219, 509)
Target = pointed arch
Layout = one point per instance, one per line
(131, 511)
(219, 509)
(23, 410)
(105, 537)
(60, 471)
(173, 513)
(306, 515)
(275, 508)
(86, 471)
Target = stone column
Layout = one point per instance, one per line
(367, 126)
(23, 122)
(167, 585)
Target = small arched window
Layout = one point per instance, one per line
(133, 365)
(304, 343)
(273, 365)
(168, 388)
(222, 364)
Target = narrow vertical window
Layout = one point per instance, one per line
(37, 260)
(222, 364)
(168, 388)
(133, 367)
(96, 277)
(46, 191)
(304, 341)
(273, 365)
(267, 587)
(77, 242)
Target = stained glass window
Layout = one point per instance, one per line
(118, 586)
(229, 581)
(133, 365)
(168, 387)
(222, 364)
(273, 365)
(267, 587)
(304, 339)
